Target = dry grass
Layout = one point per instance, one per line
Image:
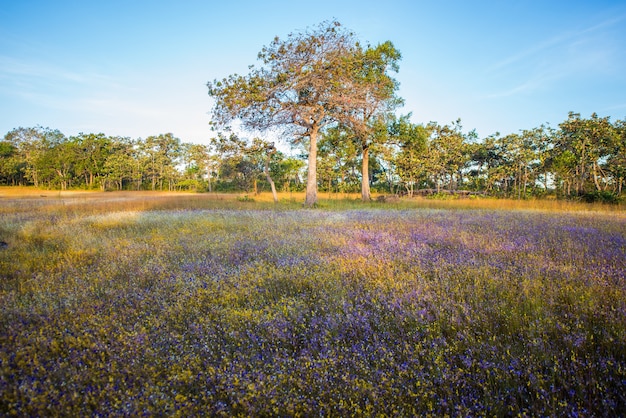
(16, 198)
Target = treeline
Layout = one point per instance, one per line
(582, 158)
(46, 158)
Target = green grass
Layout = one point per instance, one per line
(184, 304)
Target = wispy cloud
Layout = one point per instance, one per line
(116, 105)
(14, 68)
(572, 53)
(33, 73)
(618, 106)
(562, 39)
(50, 86)
(525, 86)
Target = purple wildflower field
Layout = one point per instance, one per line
(352, 312)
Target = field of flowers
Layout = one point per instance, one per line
(242, 309)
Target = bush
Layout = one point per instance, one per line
(245, 198)
(600, 197)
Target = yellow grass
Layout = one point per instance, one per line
(16, 198)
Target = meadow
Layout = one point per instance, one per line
(128, 304)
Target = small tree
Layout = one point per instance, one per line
(244, 161)
(266, 151)
(411, 160)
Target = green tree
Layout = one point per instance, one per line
(616, 160)
(370, 100)
(286, 171)
(160, 155)
(92, 153)
(411, 159)
(243, 161)
(511, 161)
(589, 141)
(121, 165)
(540, 142)
(118, 168)
(32, 145)
(234, 167)
(199, 164)
(11, 165)
(448, 154)
(266, 151)
(338, 158)
(52, 158)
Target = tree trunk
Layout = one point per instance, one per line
(595, 177)
(365, 175)
(581, 188)
(269, 178)
(525, 179)
(311, 181)
(208, 171)
(409, 189)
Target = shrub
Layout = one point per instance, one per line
(601, 196)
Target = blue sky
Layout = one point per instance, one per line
(138, 68)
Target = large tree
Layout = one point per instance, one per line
(161, 155)
(10, 164)
(589, 142)
(91, 152)
(370, 99)
(616, 161)
(300, 89)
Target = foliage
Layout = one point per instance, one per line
(113, 308)
(587, 142)
(370, 103)
(411, 142)
(600, 196)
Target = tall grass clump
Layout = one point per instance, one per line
(227, 308)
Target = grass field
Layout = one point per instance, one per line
(195, 304)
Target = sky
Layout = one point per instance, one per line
(136, 68)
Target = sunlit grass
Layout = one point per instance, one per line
(14, 199)
(201, 304)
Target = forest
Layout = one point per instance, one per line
(584, 158)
